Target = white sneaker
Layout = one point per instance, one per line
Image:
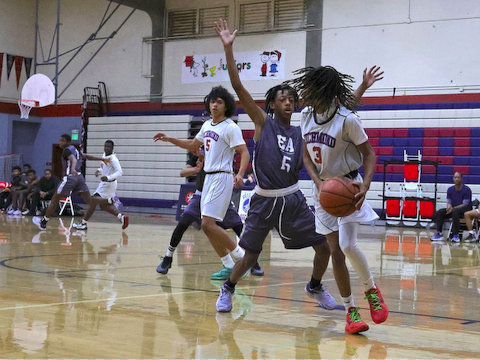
(10, 212)
(80, 226)
(17, 212)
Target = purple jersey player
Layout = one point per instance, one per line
(73, 181)
(278, 202)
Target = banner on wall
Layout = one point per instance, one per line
(252, 65)
(28, 66)
(18, 68)
(10, 60)
(1, 68)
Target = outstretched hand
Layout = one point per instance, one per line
(372, 76)
(227, 37)
(161, 137)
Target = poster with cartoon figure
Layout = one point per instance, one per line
(252, 65)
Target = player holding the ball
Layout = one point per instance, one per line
(336, 145)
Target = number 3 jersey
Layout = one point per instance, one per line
(332, 143)
(278, 156)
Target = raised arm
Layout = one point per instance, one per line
(252, 109)
(369, 78)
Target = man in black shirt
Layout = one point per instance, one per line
(46, 188)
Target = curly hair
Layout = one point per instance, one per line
(272, 92)
(319, 87)
(222, 93)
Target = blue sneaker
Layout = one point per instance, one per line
(224, 301)
(323, 297)
(455, 238)
(165, 265)
(222, 274)
(437, 237)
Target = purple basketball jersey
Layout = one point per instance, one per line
(278, 156)
(65, 163)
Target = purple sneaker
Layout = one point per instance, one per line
(224, 301)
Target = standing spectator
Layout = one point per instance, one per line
(459, 200)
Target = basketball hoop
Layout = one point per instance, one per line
(38, 91)
(25, 107)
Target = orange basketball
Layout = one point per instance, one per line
(337, 196)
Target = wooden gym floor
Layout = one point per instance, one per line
(95, 294)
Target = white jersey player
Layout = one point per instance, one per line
(221, 138)
(109, 171)
(335, 144)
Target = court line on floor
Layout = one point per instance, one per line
(2, 263)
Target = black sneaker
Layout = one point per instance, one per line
(256, 270)
(165, 265)
(40, 222)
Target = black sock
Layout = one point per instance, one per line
(230, 285)
(314, 283)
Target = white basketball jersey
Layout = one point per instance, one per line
(112, 170)
(332, 145)
(219, 140)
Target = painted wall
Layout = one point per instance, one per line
(17, 29)
(419, 43)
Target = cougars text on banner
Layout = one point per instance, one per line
(252, 65)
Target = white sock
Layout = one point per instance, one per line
(348, 302)
(369, 284)
(84, 221)
(119, 216)
(170, 251)
(228, 261)
(46, 218)
(238, 252)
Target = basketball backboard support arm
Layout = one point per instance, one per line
(54, 61)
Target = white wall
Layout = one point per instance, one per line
(175, 52)
(17, 29)
(429, 43)
(118, 64)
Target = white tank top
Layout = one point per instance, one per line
(219, 141)
(332, 144)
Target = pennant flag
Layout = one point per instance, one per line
(1, 68)
(28, 65)
(10, 59)
(18, 68)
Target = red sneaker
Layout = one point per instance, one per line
(378, 308)
(354, 322)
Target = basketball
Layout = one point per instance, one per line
(337, 196)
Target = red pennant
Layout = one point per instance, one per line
(10, 59)
(1, 68)
(18, 68)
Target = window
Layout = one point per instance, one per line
(191, 22)
(289, 14)
(182, 22)
(255, 16)
(206, 18)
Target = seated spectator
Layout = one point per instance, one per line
(44, 192)
(15, 190)
(459, 199)
(5, 196)
(32, 187)
(469, 217)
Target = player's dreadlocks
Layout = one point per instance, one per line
(272, 92)
(318, 87)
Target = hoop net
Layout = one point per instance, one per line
(25, 107)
